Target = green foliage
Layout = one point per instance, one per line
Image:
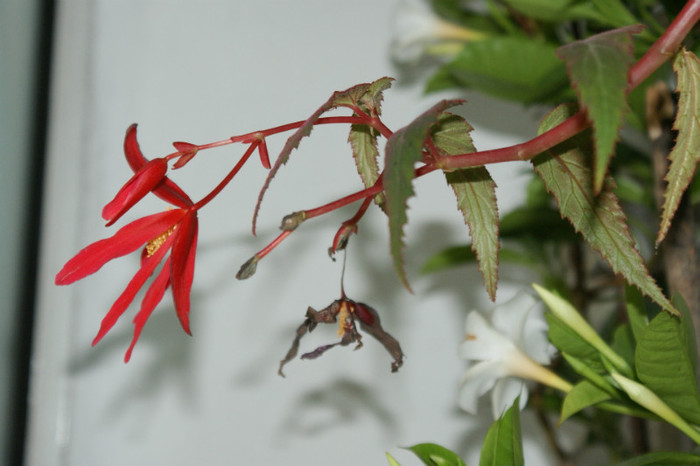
(504, 443)
(686, 153)
(600, 219)
(403, 150)
(476, 196)
(583, 395)
(598, 68)
(662, 458)
(665, 361)
(435, 455)
(514, 68)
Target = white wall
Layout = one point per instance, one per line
(201, 71)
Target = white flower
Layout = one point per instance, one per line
(419, 31)
(511, 346)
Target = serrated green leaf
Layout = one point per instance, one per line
(583, 395)
(503, 443)
(513, 68)
(348, 98)
(403, 150)
(598, 68)
(566, 174)
(636, 312)
(662, 458)
(665, 366)
(686, 153)
(435, 455)
(476, 196)
(363, 140)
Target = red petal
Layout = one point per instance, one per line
(264, 155)
(127, 239)
(187, 151)
(127, 296)
(182, 266)
(167, 190)
(142, 183)
(154, 295)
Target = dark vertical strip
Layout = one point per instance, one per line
(28, 272)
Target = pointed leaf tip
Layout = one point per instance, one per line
(598, 68)
(403, 150)
(685, 155)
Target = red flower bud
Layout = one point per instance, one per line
(142, 183)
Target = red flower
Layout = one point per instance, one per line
(143, 182)
(173, 230)
(166, 189)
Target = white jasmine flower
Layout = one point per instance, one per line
(511, 346)
(418, 31)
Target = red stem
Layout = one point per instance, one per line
(266, 250)
(205, 200)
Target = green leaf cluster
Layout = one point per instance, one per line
(656, 357)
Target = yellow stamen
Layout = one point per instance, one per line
(471, 336)
(344, 314)
(153, 245)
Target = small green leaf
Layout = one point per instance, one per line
(569, 342)
(476, 196)
(686, 153)
(436, 455)
(391, 460)
(503, 443)
(598, 69)
(583, 395)
(403, 150)
(566, 174)
(367, 92)
(513, 68)
(662, 458)
(363, 140)
(665, 365)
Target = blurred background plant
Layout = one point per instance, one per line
(633, 365)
